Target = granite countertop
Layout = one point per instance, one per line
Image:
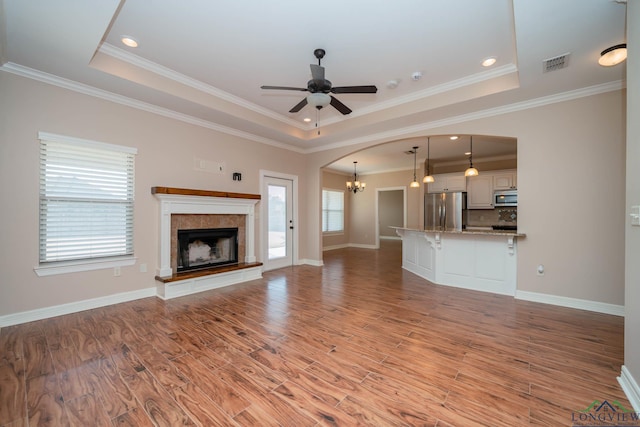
(480, 232)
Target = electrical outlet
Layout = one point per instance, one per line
(143, 268)
(116, 271)
(540, 270)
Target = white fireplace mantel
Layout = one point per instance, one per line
(202, 203)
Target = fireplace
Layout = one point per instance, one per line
(206, 248)
(185, 209)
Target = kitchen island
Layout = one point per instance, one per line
(482, 260)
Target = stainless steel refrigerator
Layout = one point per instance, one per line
(445, 211)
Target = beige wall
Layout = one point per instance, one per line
(390, 212)
(363, 206)
(632, 234)
(166, 151)
(574, 220)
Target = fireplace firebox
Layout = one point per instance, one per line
(206, 248)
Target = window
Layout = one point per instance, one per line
(332, 211)
(86, 200)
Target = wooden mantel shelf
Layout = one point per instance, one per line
(203, 193)
(207, 272)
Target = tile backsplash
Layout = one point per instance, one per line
(487, 217)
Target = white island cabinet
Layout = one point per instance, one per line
(479, 260)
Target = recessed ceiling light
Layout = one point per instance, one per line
(467, 153)
(307, 119)
(392, 84)
(453, 137)
(488, 62)
(129, 41)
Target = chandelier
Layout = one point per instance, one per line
(356, 185)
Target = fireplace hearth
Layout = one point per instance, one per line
(207, 248)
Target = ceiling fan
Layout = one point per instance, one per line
(319, 89)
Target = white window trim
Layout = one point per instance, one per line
(65, 267)
(336, 232)
(333, 233)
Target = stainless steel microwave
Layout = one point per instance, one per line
(505, 198)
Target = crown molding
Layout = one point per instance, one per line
(490, 112)
(432, 91)
(137, 61)
(53, 80)
(378, 137)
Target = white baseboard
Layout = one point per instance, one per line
(390, 238)
(349, 245)
(334, 247)
(314, 262)
(74, 307)
(357, 245)
(630, 388)
(599, 307)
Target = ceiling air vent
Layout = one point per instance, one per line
(555, 63)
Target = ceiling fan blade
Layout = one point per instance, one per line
(284, 88)
(354, 89)
(299, 106)
(339, 106)
(317, 72)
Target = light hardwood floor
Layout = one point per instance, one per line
(356, 342)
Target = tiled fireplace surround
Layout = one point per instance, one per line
(186, 209)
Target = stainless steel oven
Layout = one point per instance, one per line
(505, 198)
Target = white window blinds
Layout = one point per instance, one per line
(332, 210)
(86, 199)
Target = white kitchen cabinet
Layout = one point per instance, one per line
(505, 180)
(448, 182)
(480, 192)
(481, 261)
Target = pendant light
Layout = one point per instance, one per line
(355, 186)
(414, 183)
(471, 171)
(428, 178)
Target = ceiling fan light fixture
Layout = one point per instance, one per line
(318, 100)
(613, 55)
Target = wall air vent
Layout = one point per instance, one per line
(555, 63)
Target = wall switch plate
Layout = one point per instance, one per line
(635, 215)
(116, 271)
(143, 268)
